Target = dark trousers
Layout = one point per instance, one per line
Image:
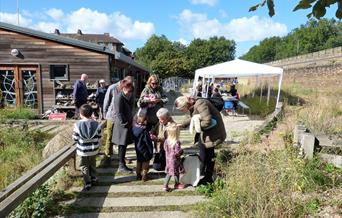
(207, 156)
(122, 154)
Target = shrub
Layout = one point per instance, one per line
(20, 152)
(36, 205)
(17, 113)
(264, 185)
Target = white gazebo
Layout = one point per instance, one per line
(239, 68)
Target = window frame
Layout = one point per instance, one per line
(64, 78)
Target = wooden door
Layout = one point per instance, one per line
(19, 86)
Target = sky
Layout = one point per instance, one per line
(134, 21)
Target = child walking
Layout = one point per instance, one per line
(143, 147)
(87, 133)
(173, 152)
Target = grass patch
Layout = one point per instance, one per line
(20, 151)
(17, 113)
(323, 115)
(264, 185)
(259, 107)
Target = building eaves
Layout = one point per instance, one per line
(56, 38)
(69, 41)
(120, 56)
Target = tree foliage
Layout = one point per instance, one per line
(318, 7)
(313, 36)
(167, 58)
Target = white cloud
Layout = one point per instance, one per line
(48, 27)
(13, 19)
(89, 21)
(55, 13)
(204, 2)
(117, 24)
(183, 41)
(197, 25)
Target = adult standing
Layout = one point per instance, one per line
(211, 136)
(80, 93)
(152, 98)
(100, 95)
(109, 110)
(123, 121)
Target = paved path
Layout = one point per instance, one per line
(123, 196)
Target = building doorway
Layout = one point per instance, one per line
(19, 86)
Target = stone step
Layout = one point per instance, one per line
(154, 177)
(48, 128)
(59, 128)
(146, 214)
(128, 189)
(37, 127)
(102, 202)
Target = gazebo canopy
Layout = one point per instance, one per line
(239, 68)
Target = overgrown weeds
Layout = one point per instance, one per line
(17, 113)
(323, 115)
(20, 151)
(264, 185)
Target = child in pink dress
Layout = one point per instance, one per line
(173, 152)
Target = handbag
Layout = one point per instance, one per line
(159, 161)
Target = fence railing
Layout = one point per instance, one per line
(19, 190)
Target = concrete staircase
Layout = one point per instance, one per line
(122, 196)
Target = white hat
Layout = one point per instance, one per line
(102, 81)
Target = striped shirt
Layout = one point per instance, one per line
(87, 134)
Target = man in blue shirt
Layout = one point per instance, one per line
(80, 93)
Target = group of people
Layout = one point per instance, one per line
(151, 129)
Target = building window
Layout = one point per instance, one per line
(59, 72)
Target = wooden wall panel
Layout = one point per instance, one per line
(43, 53)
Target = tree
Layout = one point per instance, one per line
(318, 7)
(208, 52)
(149, 52)
(310, 37)
(167, 58)
(265, 52)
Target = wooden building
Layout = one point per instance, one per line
(34, 64)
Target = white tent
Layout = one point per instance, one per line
(238, 68)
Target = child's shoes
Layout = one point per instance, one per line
(87, 187)
(166, 188)
(179, 186)
(94, 181)
(139, 177)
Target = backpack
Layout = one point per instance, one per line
(217, 102)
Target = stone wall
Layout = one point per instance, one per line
(318, 69)
(328, 57)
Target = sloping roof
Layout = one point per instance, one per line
(56, 38)
(70, 41)
(95, 38)
(238, 68)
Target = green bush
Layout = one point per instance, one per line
(36, 205)
(269, 185)
(209, 189)
(21, 150)
(17, 113)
